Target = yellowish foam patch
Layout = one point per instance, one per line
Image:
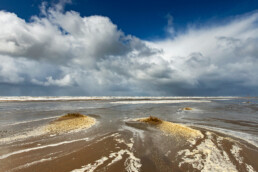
(172, 128)
(70, 122)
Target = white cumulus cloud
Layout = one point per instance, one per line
(90, 56)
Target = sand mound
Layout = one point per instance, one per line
(187, 108)
(70, 121)
(172, 128)
(151, 119)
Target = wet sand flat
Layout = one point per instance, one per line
(121, 137)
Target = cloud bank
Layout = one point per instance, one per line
(62, 53)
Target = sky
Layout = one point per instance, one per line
(128, 48)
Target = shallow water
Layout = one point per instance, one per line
(229, 126)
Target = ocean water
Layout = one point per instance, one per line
(228, 125)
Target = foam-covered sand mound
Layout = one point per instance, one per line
(187, 108)
(172, 128)
(70, 121)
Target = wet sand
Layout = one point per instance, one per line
(121, 151)
(122, 138)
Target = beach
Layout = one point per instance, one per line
(128, 134)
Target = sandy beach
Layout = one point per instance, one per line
(124, 137)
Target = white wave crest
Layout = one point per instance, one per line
(160, 101)
(67, 98)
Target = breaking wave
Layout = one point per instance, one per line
(69, 98)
